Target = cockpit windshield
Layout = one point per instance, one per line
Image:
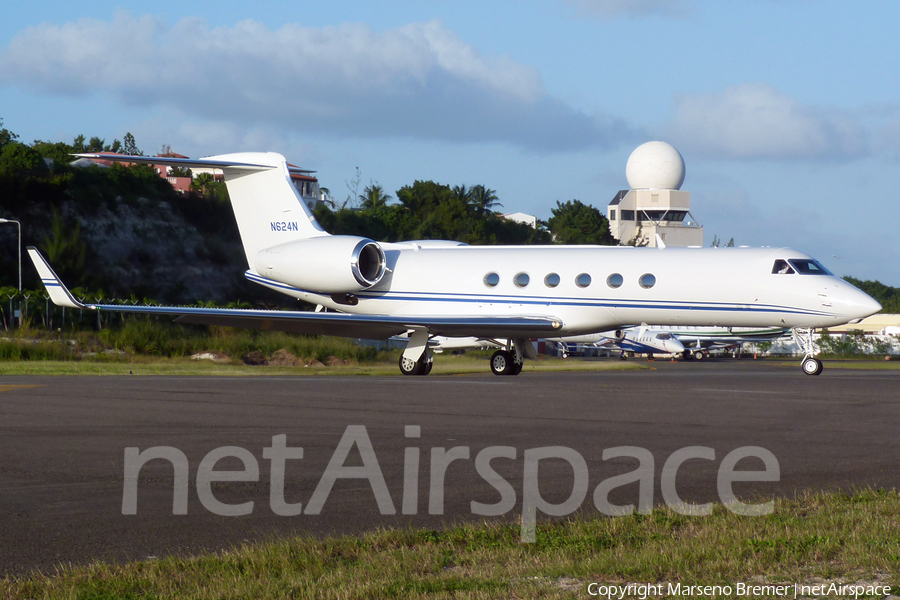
(782, 268)
(805, 266)
(664, 336)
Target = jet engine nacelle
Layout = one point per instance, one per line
(620, 334)
(330, 264)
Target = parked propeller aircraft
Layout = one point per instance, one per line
(446, 288)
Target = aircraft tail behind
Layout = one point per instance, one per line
(267, 207)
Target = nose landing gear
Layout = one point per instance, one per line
(803, 338)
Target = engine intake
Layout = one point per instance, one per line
(339, 264)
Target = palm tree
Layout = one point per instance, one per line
(373, 197)
(202, 183)
(462, 193)
(484, 199)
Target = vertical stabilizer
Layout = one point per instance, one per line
(267, 206)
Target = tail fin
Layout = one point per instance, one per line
(267, 207)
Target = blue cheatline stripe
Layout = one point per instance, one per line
(540, 300)
(637, 347)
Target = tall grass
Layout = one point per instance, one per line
(147, 337)
(813, 537)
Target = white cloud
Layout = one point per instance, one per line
(608, 9)
(419, 80)
(755, 120)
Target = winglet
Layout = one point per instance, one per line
(60, 295)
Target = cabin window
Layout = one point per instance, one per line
(583, 280)
(491, 279)
(647, 280)
(808, 267)
(521, 280)
(551, 280)
(782, 268)
(615, 280)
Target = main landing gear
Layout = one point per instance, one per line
(510, 360)
(803, 338)
(418, 360)
(503, 362)
(417, 367)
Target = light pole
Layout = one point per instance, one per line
(19, 246)
(19, 227)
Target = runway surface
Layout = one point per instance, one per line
(63, 442)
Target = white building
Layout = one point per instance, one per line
(655, 204)
(519, 217)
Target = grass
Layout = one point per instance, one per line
(832, 536)
(142, 365)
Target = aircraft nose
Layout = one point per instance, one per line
(858, 304)
(673, 346)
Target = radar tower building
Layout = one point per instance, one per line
(655, 204)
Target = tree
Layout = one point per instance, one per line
(373, 197)
(63, 247)
(462, 193)
(175, 171)
(129, 146)
(203, 183)
(6, 136)
(577, 223)
(484, 199)
(60, 152)
(353, 187)
(17, 158)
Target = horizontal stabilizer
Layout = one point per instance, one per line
(240, 161)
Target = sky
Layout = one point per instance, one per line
(787, 112)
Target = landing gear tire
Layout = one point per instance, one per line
(502, 363)
(415, 367)
(686, 355)
(698, 355)
(517, 368)
(812, 366)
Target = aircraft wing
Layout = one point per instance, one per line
(315, 323)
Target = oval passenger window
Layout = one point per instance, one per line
(647, 281)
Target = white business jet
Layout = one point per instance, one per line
(640, 340)
(698, 341)
(431, 288)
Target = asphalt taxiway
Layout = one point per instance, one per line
(63, 442)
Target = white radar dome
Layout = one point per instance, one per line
(655, 166)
